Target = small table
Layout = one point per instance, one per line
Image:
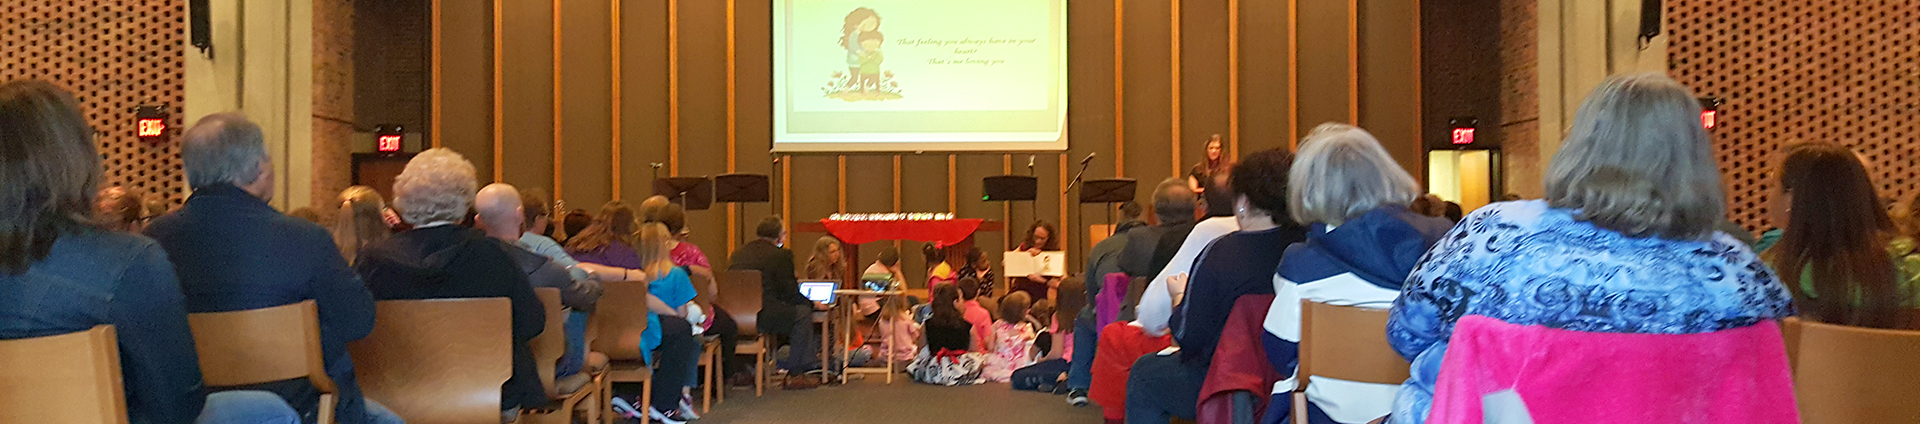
(846, 304)
(955, 233)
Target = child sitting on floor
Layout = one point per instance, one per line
(1012, 339)
(894, 325)
(952, 355)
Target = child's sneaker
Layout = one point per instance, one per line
(670, 417)
(1077, 397)
(624, 409)
(686, 408)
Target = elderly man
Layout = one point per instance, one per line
(501, 216)
(234, 252)
(439, 259)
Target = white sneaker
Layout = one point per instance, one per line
(686, 408)
(665, 417)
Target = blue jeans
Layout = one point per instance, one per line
(1161, 388)
(1085, 341)
(575, 357)
(803, 349)
(249, 407)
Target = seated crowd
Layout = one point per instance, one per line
(1627, 257)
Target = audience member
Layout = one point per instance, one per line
(978, 267)
(718, 322)
(784, 311)
(828, 262)
(1834, 254)
(886, 267)
(1632, 196)
(501, 215)
(938, 271)
(1239, 263)
(609, 241)
(1041, 237)
(1173, 205)
(669, 333)
(360, 221)
(1362, 241)
(953, 355)
(895, 327)
(1010, 344)
(61, 273)
(1155, 307)
(1102, 261)
(974, 313)
(437, 259)
(575, 222)
(234, 252)
(118, 208)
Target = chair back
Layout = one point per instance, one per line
(261, 345)
(1347, 343)
(620, 319)
(740, 296)
(439, 360)
(552, 342)
(68, 378)
(1856, 375)
(703, 288)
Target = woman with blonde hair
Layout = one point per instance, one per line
(360, 221)
(1616, 269)
(827, 261)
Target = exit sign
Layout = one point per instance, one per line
(388, 137)
(388, 143)
(150, 123)
(1462, 130)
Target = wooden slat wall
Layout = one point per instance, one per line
(1139, 139)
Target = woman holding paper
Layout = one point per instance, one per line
(1039, 239)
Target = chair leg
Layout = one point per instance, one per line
(645, 401)
(606, 402)
(760, 372)
(706, 390)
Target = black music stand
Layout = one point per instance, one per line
(741, 188)
(1108, 191)
(695, 193)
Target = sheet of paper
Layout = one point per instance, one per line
(1021, 263)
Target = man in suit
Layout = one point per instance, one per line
(234, 252)
(784, 310)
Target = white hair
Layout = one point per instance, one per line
(1341, 173)
(1637, 161)
(437, 185)
(223, 148)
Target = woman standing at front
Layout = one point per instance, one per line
(1586, 294)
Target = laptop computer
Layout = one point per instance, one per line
(819, 291)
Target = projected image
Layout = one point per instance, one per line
(864, 80)
(919, 75)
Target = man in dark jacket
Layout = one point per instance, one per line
(1173, 204)
(234, 252)
(439, 259)
(784, 310)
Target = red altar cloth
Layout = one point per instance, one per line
(945, 232)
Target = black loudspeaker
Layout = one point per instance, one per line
(741, 188)
(1010, 187)
(695, 193)
(200, 24)
(1650, 13)
(1112, 190)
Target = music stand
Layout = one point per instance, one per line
(741, 188)
(695, 193)
(1108, 191)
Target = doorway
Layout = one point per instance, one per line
(1468, 177)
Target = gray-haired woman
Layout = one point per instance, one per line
(1362, 240)
(1622, 247)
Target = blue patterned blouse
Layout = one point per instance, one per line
(1525, 263)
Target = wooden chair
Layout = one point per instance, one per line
(68, 378)
(1856, 375)
(703, 286)
(740, 296)
(264, 345)
(1347, 343)
(618, 323)
(439, 360)
(547, 348)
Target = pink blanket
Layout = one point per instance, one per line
(1113, 292)
(1561, 376)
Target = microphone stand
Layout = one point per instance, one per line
(1079, 211)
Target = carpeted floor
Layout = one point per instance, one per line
(901, 402)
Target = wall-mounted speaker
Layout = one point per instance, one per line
(200, 26)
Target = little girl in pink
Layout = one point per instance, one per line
(895, 324)
(1012, 343)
